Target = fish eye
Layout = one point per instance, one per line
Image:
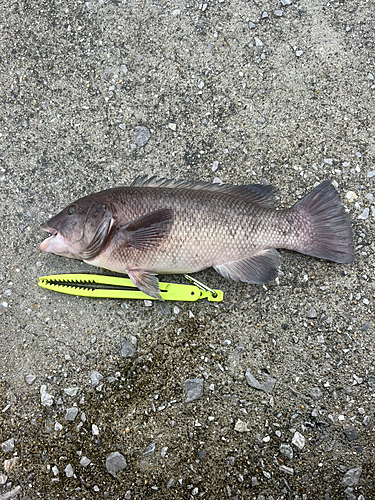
(71, 210)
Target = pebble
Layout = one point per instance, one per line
(286, 2)
(316, 393)
(299, 53)
(85, 461)
(45, 398)
(312, 313)
(286, 450)
(352, 476)
(172, 126)
(95, 430)
(149, 450)
(215, 166)
(71, 414)
(351, 196)
(258, 42)
(115, 462)
(128, 495)
(7, 445)
(11, 494)
(351, 434)
(69, 471)
(194, 389)
(298, 440)
(142, 136)
(364, 215)
(30, 378)
(251, 25)
(95, 377)
(3, 478)
(267, 386)
(71, 391)
(127, 349)
(371, 174)
(241, 426)
(278, 13)
(287, 470)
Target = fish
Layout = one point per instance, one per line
(166, 226)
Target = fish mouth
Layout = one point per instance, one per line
(46, 227)
(45, 244)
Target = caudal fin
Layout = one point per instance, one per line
(330, 235)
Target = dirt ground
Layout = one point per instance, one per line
(94, 394)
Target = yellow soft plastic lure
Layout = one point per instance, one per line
(112, 287)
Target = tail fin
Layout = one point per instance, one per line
(331, 236)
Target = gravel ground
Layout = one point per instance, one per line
(267, 395)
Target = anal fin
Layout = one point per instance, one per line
(148, 283)
(257, 269)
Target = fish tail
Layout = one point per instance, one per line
(324, 229)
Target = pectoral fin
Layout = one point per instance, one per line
(147, 231)
(148, 283)
(257, 269)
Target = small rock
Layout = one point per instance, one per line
(215, 166)
(258, 42)
(128, 495)
(265, 15)
(3, 479)
(45, 398)
(85, 461)
(286, 450)
(150, 449)
(364, 215)
(95, 377)
(69, 471)
(95, 430)
(371, 174)
(241, 426)
(312, 313)
(254, 482)
(10, 464)
(351, 196)
(115, 462)
(299, 53)
(172, 126)
(8, 445)
(251, 25)
(30, 378)
(286, 2)
(316, 393)
(55, 470)
(352, 476)
(267, 386)
(351, 434)
(71, 414)
(194, 389)
(11, 494)
(287, 470)
(278, 13)
(127, 349)
(71, 391)
(142, 136)
(298, 440)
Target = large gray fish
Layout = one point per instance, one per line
(166, 226)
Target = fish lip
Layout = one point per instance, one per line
(48, 229)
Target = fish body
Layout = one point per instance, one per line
(165, 227)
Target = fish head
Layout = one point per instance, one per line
(80, 230)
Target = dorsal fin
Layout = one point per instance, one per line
(259, 194)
